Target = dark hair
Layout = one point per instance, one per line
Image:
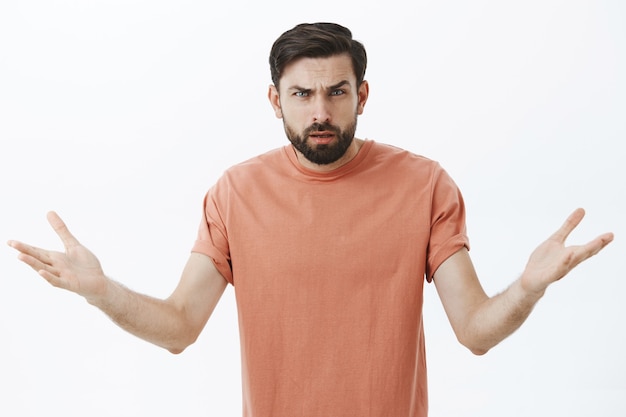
(316, 40)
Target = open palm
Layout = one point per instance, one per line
(552, 260)
(77, 270)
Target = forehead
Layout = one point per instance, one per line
(305, 72)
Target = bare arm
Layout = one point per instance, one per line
(173, 323)
(481, 322)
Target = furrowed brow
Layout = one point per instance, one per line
(339, 85)
(298, 88)
(308, 90)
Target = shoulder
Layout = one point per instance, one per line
(405, 168)
(396, 158)
(255, 166)
(250, 177)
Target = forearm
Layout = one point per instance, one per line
(160, 322)
(173, 323)
(497, 317)
(481, 322)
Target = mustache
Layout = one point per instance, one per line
(320, 127)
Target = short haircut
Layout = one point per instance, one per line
(316, 40)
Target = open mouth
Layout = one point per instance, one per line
(322, 138)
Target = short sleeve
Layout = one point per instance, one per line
(447, 229)
(212, 239)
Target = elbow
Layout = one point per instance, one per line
(478, 351)
(176, 351)
(186, 332)
(475, 346)
(177, 347)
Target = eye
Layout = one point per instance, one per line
(337, 92)
(301, 94)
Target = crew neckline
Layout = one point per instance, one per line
(307, 173)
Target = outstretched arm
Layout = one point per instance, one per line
(173, 323)
(481, 322)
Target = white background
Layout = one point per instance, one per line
(120, 114)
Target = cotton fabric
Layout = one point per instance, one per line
(328, 271)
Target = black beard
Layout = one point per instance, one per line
(322, 154)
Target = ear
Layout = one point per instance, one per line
(274, 98)
(363, 93)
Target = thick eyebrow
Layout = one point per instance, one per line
(298, 88)
(339, 84)
(332, 87)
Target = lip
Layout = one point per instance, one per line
(322, 137)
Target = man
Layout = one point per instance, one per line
(327, 242)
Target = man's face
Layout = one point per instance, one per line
(319, 103)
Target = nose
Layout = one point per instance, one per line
(321, 110)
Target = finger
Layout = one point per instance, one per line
(39, 254)
(596, 245)
(61, 230)
(579, 254)
(570, 224)
(36, 264)
(54, 279)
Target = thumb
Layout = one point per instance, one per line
(61, 230)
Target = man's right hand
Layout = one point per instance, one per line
(173, 323)
(77, 270)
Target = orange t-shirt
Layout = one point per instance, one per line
(328, 271)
